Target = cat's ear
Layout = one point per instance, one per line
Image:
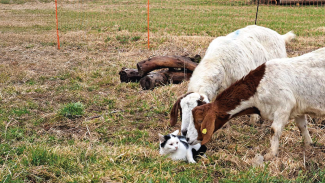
(175, 132)
(161, 138)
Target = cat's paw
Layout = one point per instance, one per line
(191, 161)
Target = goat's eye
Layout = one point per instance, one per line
(176, 142)
(171, 144)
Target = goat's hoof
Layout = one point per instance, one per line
(254, 118)
(258, 161)
(308, 144)
(269, 156)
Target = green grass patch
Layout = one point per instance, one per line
(14, 134)
(5, 1)
(20, 111)
(123, 39)
(132, 137)
(107, 39)
(72, 110)
(135, 38)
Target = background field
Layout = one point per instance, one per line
(65, 116)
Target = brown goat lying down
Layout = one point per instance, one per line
(279, 90)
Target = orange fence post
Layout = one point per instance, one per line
(57, 24)
(148, 24)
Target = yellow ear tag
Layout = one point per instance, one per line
(204, 131)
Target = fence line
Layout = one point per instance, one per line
(258, 4)
(116, 18)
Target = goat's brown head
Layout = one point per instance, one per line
(207, 120)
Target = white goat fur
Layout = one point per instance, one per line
(227, 59)
(289, 89)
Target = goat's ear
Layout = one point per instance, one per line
(174, 112)
(208, 126)
(175, 132)
(161, 138)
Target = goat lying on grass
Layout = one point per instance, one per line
(227, 59)
(278, 90)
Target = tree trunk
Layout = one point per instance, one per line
(154, 63)
(129, 75)
(163, 77)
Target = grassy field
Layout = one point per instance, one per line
(65, 116)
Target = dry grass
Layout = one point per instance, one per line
(116, 139)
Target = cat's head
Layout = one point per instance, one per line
(169, 143)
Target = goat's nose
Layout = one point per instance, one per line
(187, 139)
(184, 132)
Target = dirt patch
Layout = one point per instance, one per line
(69, 129)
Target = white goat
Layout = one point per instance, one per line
(279, 90)
(227, 59)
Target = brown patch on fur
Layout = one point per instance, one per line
(206, 117)
(242, 90)
(200, 102)
(176, 107)
(214, 115)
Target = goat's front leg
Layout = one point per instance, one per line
(189, 156)
(301, 122)
(276, 131)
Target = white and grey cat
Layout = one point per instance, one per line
(177, 148)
